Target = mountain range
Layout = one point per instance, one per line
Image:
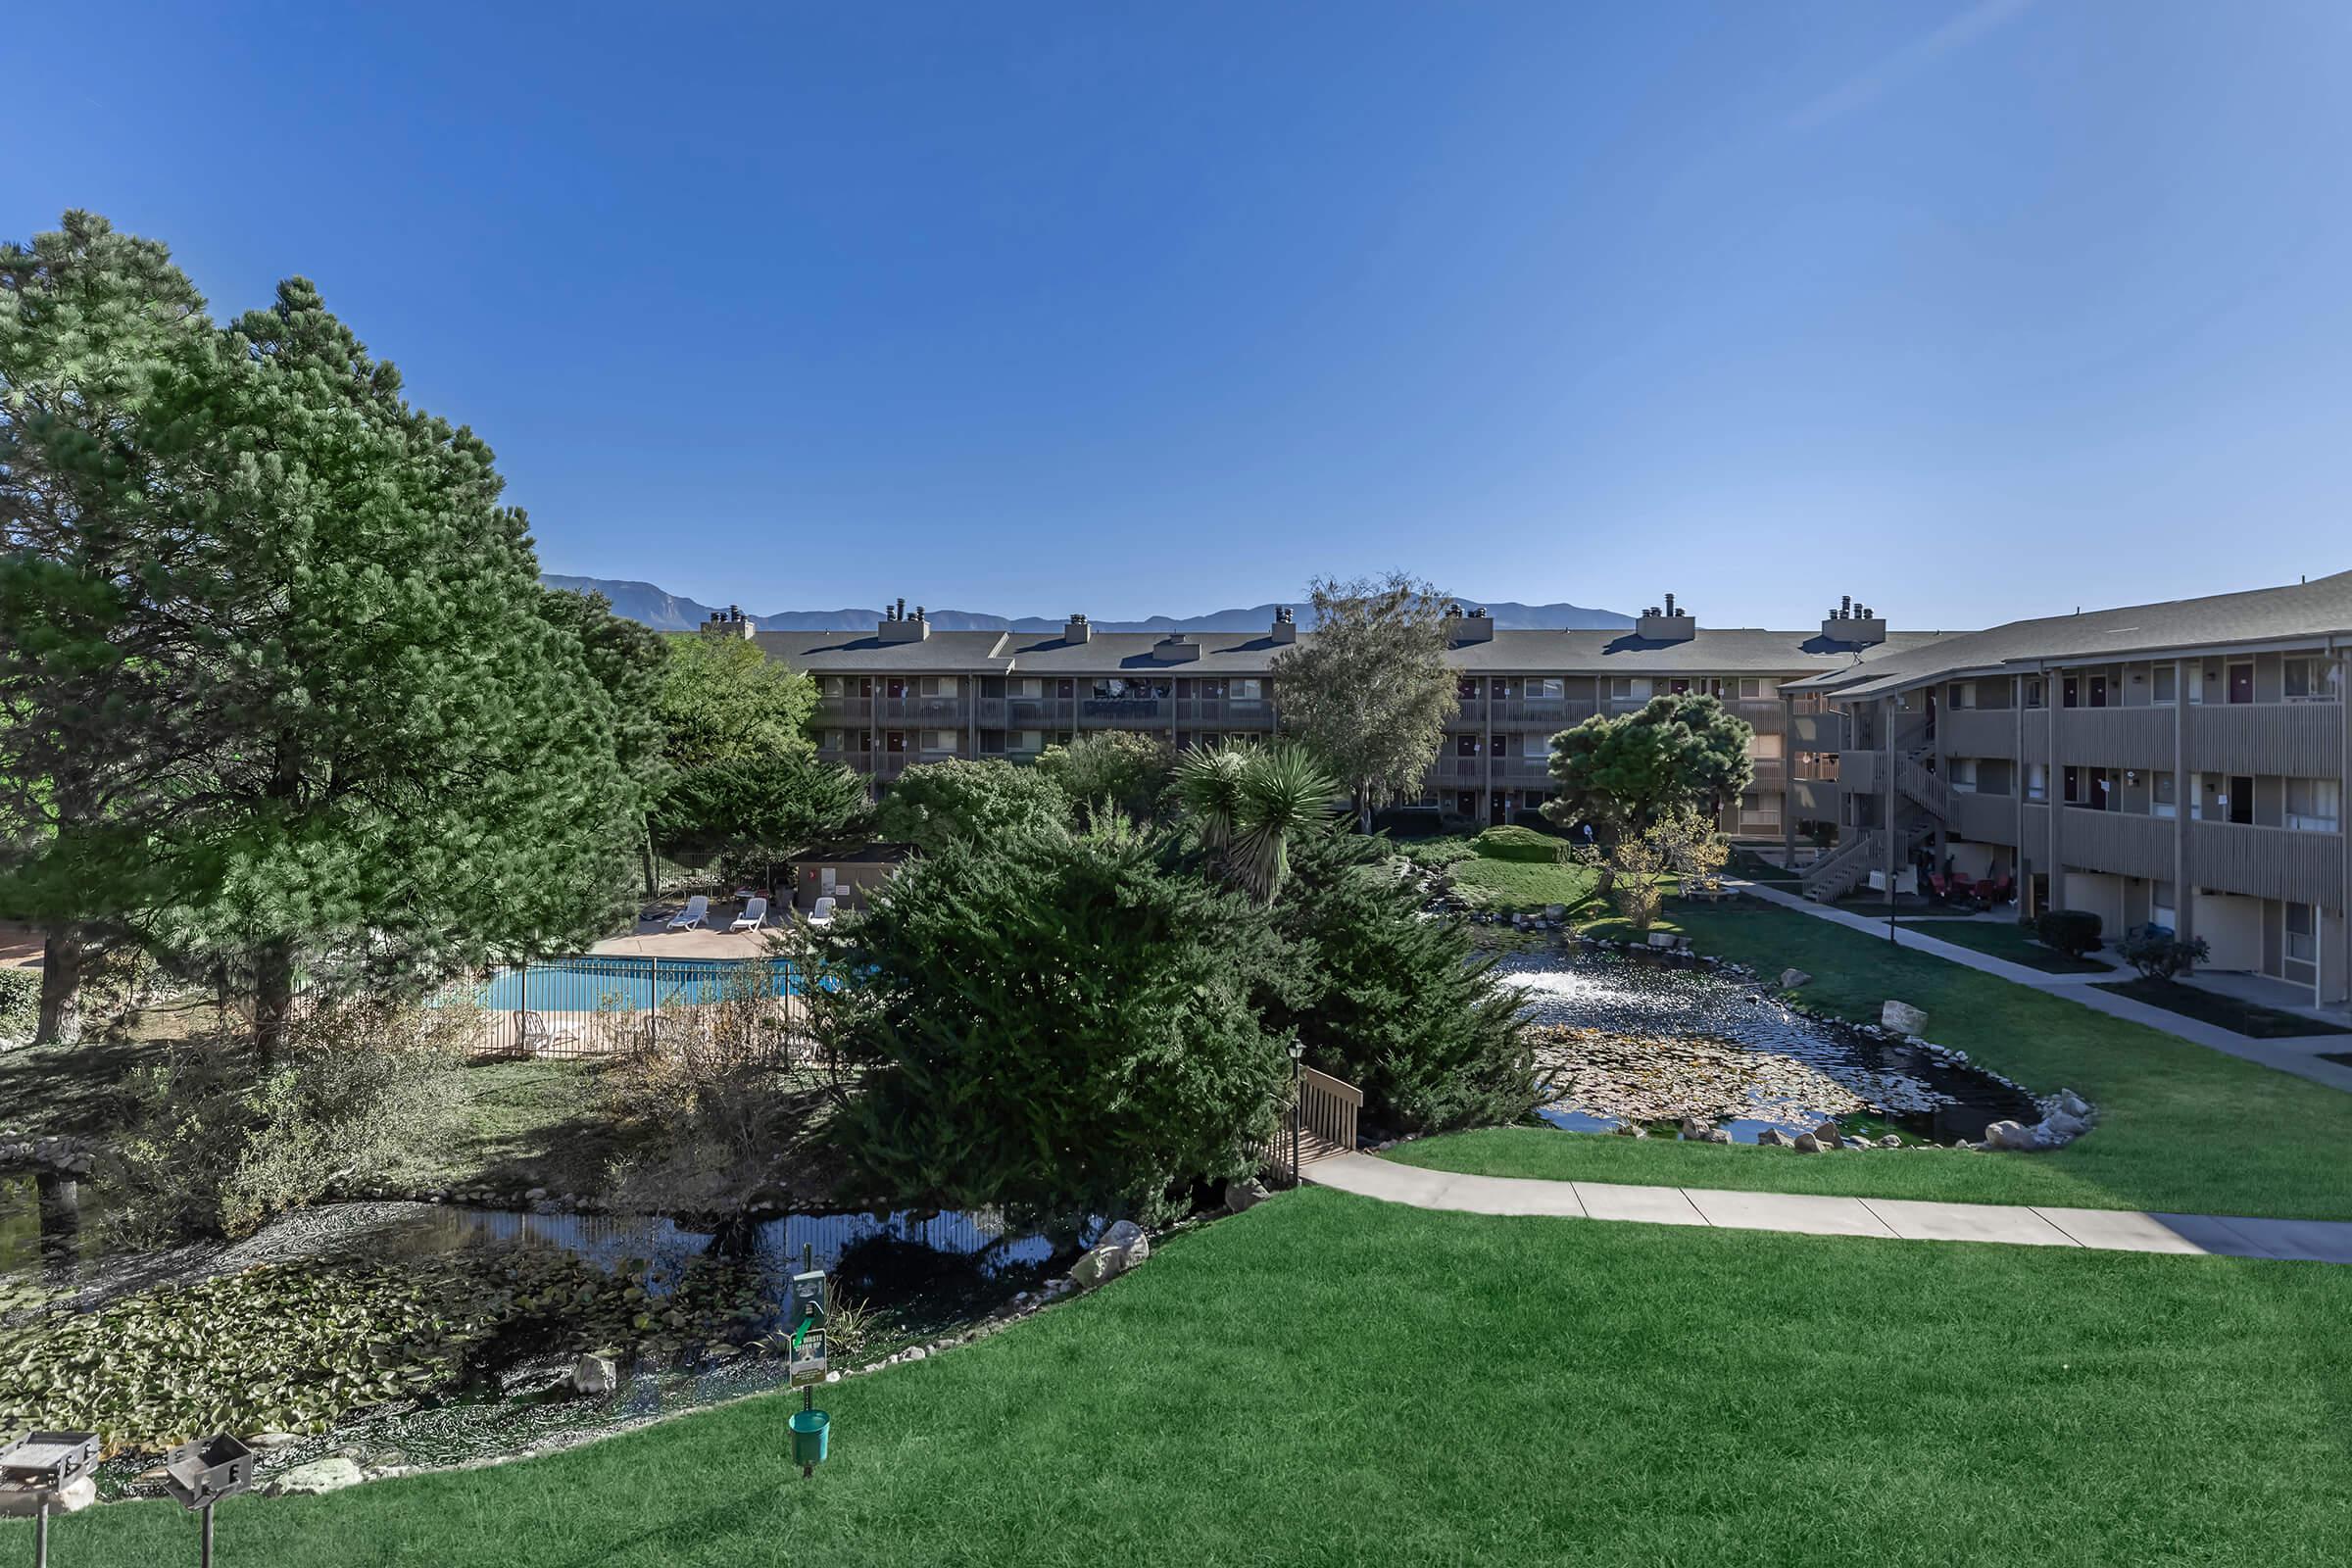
(666, 612)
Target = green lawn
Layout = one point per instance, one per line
(2003, 938)
(1521, 885)
(2182, 1128)
(1326, 1380)
(2247, 1018)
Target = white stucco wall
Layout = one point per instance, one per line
(2233, 928)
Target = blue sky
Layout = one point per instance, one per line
(1973, 311)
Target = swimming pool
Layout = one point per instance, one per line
(594, 984)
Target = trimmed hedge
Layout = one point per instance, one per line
(2073, 932)
(1519, 844)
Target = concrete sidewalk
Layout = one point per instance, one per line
(1809, 1215)
(2298, 1054)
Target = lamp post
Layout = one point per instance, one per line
(45, 1464)
(1298, 1106)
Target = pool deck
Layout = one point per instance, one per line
(653, 938)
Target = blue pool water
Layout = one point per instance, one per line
(627, 985)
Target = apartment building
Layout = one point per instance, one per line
(2183, 765)
(904, 692)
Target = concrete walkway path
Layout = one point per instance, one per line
(1808, 1214)
(2298, 1054)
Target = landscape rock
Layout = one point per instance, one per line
(2010, 1135)
(1892, 1141)
(267, 1442)
(331, 1474)
(1806, 1144)
(15, 1505)
(1829, 1135)
(1791, 979)
(2074, 1105)
(1773, 1138)
(1122, 1246)
(596, 1373)
(1245, 1194)
(2060, 1128)
(1902, 1018)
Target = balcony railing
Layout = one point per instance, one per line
(1983, 818)
(1815, 799)
(1126, 712)
(844, 710)
(2300, 740)
(945, 711)
(1541, 712)
(1817, 732)
(2115, 737)
(2268, 862)
(1977, 732)
(2123, 843)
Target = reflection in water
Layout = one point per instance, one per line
(1661, 1031)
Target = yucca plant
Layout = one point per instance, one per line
(1249, 805)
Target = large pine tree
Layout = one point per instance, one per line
(413, 766)
(102, 346)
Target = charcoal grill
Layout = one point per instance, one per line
(46, 1463)
(203, 1472)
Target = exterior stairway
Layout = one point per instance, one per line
(1833, 875)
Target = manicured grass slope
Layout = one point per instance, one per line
(1326, 1380)
(1515, 885)
(2004, 940)
(2182, 1128)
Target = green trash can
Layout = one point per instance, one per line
(810, 1430)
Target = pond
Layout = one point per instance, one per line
(913, 1277)
(1627, 1038)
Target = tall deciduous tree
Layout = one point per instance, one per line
(1370, 693)
(935, 804)
(101, 340)
(724, 700)
(631, 661)
(1124, 768)
(1627, 772)
(413, 766)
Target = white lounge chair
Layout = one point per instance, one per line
(696, 910)
(822, 912)
(753, 917)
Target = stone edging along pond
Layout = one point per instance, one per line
(2064, 1114)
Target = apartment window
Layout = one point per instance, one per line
(1533, 798)
(2302, 934)
(2033, 693)
(1246, 689)
(1759, 812)
(832, 686)
(2312, 680)
(1964, 773)
(1130, 689)
(1545, 689)
(1752, 689)
(1027, 686)
(1465, 746)
(1963, 693)
(1025, 740)
(938, 740)
(937, 686)
(2164, 685)
(1629, 688)
(2314, 804)
(2162, 910)
(2037, 781)
(2164, 796)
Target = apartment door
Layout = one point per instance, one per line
(2241, 683)
(1498, 807)
(1465, 803)
(2241, 795)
